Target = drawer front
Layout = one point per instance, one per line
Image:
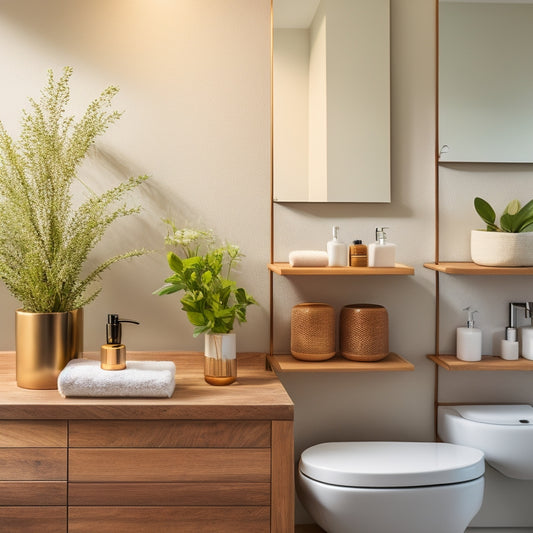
(33, 493)
(169, 465)
(27, 464)
(33, 433)
(41, 519)
(169, 519)
(169, 433)
(116, 494)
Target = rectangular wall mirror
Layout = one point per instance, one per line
(331, 100)
(486, 81)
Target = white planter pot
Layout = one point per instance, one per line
(220, 361)
(501, 249)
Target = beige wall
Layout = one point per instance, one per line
(194, 79)
(195, 84)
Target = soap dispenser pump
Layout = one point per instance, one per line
(113, 353)
(469, 339)
(381, 253)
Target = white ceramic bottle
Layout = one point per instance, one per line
(337, 250)
(509, 346)
(381, 253)
(526, 342)
(469, 339)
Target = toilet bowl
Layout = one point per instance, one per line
(391, 487)
(503, 432)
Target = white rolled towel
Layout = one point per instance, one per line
(308, 258)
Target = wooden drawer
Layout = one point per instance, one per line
(27, 464)
(169, 519)
(170, 464)
(33, 433)
(28, 519)
(169, 433)
(33, 493)
(217, 494)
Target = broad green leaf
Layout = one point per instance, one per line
(207, 277)
(224, 313)
(524, 217)
(506, 222)
(198, 330)
(174, 262)
(167, 289)
(485, 211)
(196, 319)
(512, 207)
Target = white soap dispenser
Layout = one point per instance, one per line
(381, 253)
(469, 339)
(337, 250)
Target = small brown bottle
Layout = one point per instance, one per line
(358, 254)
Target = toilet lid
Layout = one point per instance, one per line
(505, 415)
(391, 464)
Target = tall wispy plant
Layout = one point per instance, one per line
(44, 239)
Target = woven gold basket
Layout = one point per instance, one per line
(364, 332)
(312, 332)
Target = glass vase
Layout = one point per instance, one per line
(220, 358)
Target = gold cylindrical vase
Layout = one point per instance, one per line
(364, 332)
(45, 343)
(312, 331)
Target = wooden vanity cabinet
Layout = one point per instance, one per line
(33, 475)
(169, 475)
(208, 459)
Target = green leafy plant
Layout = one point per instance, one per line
(515, 219)
(44, 239)
(212, 301)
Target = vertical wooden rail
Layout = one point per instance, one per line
(437, 218)
(282, 479)
(271, 280)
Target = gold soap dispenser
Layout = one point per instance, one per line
(113, 354)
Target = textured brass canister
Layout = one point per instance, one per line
(312, 331)
(364, 332)
(45, 343)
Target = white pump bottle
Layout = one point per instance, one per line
(469, 339)
(381, 253)
(337, 250)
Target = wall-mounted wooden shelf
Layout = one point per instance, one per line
(287, 363)
(284, 269)
(478, 270)
(488, 362)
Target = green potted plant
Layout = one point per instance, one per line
(211, 299)
(508, 243)
(45, 237)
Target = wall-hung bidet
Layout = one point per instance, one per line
(503, 432)
(391, 487)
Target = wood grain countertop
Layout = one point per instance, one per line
(256, 394)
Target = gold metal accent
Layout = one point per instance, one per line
(45, 343)
(113, 357)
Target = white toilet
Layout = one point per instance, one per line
(391, 487)
(503, 432)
